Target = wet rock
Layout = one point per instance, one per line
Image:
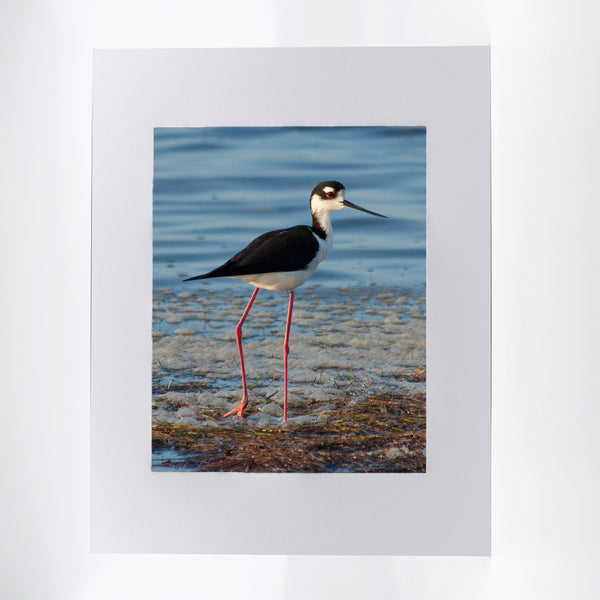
(294, 400)
(189, 421)
(271, 409)
(396, 452)
(262, 419)
(302, 419)
(187, 411)
(212, 400)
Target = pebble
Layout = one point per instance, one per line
(385, 297)
(184, 331)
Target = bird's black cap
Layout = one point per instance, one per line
(336, 185)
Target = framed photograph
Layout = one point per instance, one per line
(256, 387)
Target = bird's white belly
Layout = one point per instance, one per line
(278, 281)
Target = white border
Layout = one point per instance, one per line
(446, 510)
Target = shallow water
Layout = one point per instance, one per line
(367, 336)
(169, 459)
(216, 189)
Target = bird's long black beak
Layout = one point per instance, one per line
(369, 212)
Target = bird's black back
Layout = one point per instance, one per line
(272, 252)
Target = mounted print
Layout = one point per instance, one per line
(229, 201)
(290, 318)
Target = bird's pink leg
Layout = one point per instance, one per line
(239, 409)
(286, 351)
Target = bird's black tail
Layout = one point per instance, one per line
(221, 271)
(198, 277)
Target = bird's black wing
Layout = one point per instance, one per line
(273, 252)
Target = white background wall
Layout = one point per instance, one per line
(546, 160)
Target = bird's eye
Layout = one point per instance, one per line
(330, 194)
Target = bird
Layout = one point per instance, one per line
(283, 260)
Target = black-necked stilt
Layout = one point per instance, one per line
(283, 260)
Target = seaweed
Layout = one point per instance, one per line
(380, 433)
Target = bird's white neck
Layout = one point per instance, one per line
(321, 210)
(321, 219)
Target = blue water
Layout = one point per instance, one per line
(216, 189)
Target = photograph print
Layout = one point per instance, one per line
(289, 301)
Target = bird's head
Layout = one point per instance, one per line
(330, 195)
